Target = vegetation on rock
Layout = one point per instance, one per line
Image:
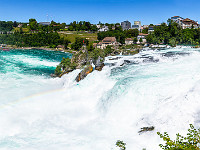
(121, 145)
(190, 142)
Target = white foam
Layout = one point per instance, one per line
(108, 106)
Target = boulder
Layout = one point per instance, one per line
(99, 64)
(99, 68)
(88, 69)
(145, 129)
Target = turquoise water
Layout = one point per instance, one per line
(30, 62)
(25, 72)
(157, 88)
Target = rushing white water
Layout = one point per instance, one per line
(153, 88)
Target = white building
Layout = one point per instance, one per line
(102, 28)
(129, 41)
(143, 37)
(107, 41)
(137, 25)
(185, 23)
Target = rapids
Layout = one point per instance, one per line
(153, 88)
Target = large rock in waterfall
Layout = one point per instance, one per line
(88, 69)
(99, 63)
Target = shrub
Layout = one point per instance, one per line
(121, 145)
(190, 142)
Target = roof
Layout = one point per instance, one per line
(189, 21)
(94, 44)
(129, 39)
(143, 34)
(109, 39)
(60, 46)
(45, 23)
(99, 44)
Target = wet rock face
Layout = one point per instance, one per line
(88, 69)
(99, 68)
(99, 64)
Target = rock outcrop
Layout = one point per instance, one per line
(99, 63)
(145, 129)
(88, 69)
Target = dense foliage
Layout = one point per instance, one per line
(82, 26)
(173, 34)
(191, 142)
(65, 65)
(79, 42)
(119, 34)
(6, 26)
(39, 39)
(80, 59)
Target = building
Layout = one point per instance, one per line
(60, 47)
(151, 29)
(145, 26)
(185, 23)
(107, 41)
(143, 37)
(188, 23)
(177, 19)
(20, 25)
(102, 28)
(45, 23)
(129, 41)
(126, 25)
(137, 25)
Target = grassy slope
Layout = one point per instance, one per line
(71, 35)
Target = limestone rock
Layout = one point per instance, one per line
(88, 69)
(99, 68)
(99, 64)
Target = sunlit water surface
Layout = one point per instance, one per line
(159, 88)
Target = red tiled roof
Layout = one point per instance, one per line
(189, 21)
(109, 39)
(143, 34)
(129, 39)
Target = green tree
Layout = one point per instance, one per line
(15, 24)
(172, 42)
(190, 142)
(145, 30)
(121, 145)
(33, 24)
(135, 40)
(132, 33)
(140, 40)
(58, 70)
(79, 43)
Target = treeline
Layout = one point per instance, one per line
(119, 34)
(51, 39)
(82, 26)
(53, 26)
(173, 34)
(6, 26)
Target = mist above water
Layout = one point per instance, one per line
(157, 88)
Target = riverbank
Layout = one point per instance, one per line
(39, 48)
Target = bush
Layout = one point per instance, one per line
(121, 145)
(58, 70)
(191, 142)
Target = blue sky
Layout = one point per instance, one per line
(111, 11)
